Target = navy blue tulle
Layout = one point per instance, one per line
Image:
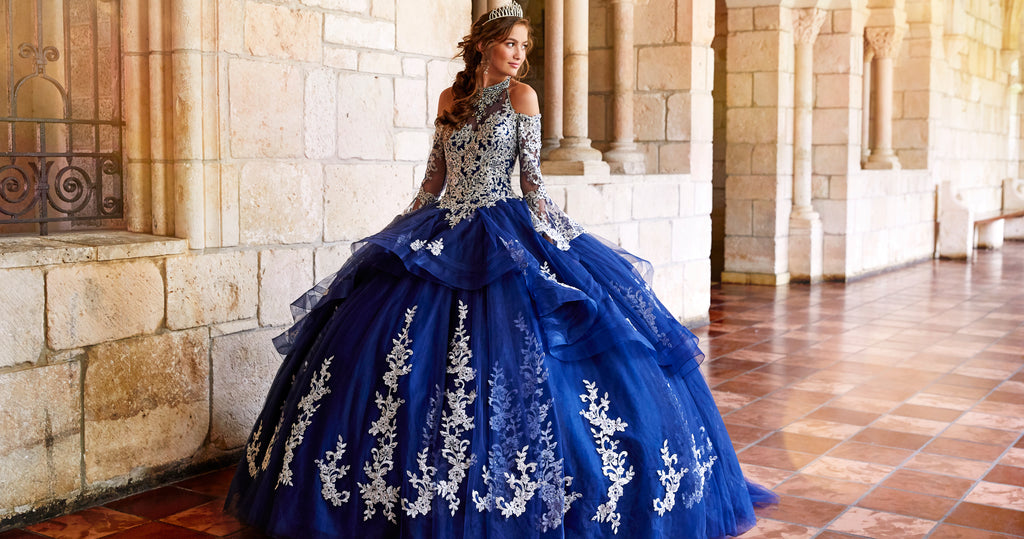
(544, 336)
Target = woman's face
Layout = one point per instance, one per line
(506, 56)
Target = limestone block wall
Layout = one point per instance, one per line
(663, 218)
(953, 106)
(673, 107)
(876, 219)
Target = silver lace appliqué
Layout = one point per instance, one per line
(545, 475)
(670, 478)
(308, 405)
(331, 473)
(613, 461)
(702, 469)
(252, 450)
(377, 490)
(435, 247)
(637, 299)
(455, 422)
(423, 481)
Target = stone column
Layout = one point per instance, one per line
(575, 155)
(187, 122)
(554, 54)
(623, 157)
(805, 233)
(138, 203)
(865, 121)
(885, 41)
(161, 180)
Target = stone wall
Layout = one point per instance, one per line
(953, 98)
(673, 107)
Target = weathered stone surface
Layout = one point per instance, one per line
(283, 202)
(359, 32)
(266, 109)
(40, 448)
(366, 123)
(284, 275)
(22, 303)
(448, 22)
(118, 244)
(280, 32)
(655, 21)
(412, 146)
(664, 68)
(321, 114)
(386, 63)
(243, 367)
(93, 303)
(649, 110)
(352, 190)
(211, 288)
(354, 6)
(341, 58)
(146, 402)
(410, 102)
(25, 251)
(328, 260)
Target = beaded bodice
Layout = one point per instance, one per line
(474, 163)
(480, 156)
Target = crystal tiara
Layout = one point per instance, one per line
(510, 10)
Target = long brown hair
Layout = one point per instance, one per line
(465, 89)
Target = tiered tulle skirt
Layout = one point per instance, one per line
(476, 381)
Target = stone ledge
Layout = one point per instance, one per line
(28, 251)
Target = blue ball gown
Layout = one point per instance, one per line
(482, 367)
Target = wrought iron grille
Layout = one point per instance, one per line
(62, 159)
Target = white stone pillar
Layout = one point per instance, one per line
(865, 116)
(623, 157)
(805, 232)
(187, 144)
(886, 43)
(138, 207)
(554, 54)
(161, 179)
(575, 155)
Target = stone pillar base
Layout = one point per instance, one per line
(548, 145)
(624, 159)
(768, 279)
(806, 241)
(574, 157)
(879, 160)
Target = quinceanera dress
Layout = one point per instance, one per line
(465, 376)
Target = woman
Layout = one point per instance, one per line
(484, 368)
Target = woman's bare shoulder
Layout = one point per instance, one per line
(523, 98)
(445, 101)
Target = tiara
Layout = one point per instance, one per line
(510, 10)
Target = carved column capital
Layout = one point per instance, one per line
(869, 51)
(885, 41)
(806, 24)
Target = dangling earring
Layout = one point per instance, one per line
(486, 67)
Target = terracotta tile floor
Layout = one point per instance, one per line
(891, 407)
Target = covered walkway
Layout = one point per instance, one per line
(892, 406)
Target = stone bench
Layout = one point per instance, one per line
(961, 230)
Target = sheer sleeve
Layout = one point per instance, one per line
(548, 218)
(433, 179)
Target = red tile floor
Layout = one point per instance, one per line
(890, 407)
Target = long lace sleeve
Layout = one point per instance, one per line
(433, 179)
(548, 218)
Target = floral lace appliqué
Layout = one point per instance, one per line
(423, 481)
(613, 461)
(435, 247)
(702, 469)
(670, 478)
(377, 490)
(331, 473)
(455, 422)
(308, 405)
(637, 298)
(252, 450)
